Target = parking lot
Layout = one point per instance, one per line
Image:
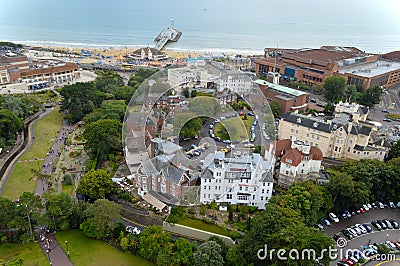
(373, 237)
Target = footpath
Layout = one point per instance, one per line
(48, 242)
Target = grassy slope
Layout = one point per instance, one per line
(85, 251)
(236, 127)
(30, 253)
(21, 177)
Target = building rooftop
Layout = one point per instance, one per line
(280, 88)
(371, 69)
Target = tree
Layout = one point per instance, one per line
(96, 184)
(27, 213)
(14, 105)
(9, 125)
(151, 241)
(185, 92)
(311, 200)
(221, 243)
(59, 209)
(183, 252)
(187, 124)
(164, 257)
(269, 221)
(103, 216)
(334, 87)
(257, 149)
(275, 108)
(208, 253)
(110, 109)
(103, 137)
(394, 151)
(329, 108)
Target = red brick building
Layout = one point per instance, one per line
(288, 98)
(309, 66)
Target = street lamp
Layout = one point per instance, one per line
(66, 243)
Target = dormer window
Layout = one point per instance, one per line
(299, 120)
(315, 124)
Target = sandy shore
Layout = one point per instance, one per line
(115, 52)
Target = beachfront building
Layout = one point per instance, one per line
(295, 162)
(246, 180)
(148, 54)
(288, 98)
(345, 136)
(18, 73)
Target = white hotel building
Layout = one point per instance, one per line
(245, 180)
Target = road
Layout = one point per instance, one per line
(174, 236)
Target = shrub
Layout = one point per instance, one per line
(67, 179)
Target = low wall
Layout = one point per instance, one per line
(194, 233)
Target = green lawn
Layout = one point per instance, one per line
(198, 224)
(21, 179)
(85, 251)
(45, 134)
(393, 116)
(30, 253)
(67, 188)
(237, 127)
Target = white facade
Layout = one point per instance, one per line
(187, 77)
(246, 180)
(237, 82)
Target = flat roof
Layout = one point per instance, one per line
(280, 88)
(370, 69)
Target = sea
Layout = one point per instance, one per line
(216, 26)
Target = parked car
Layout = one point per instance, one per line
(320, 226)
(388, 224)
(366, 208)
(356, 229)
(376, 225)
(347, 234)
(361, 228)
(325, 221)
(367, 227)
(387, 120)
(391, 245)
(333, 217)
(394, 224)
(380, 205)
(382, 224)
(391, 204)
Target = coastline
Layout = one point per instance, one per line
(117, 49)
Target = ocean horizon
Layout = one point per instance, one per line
(223, 26)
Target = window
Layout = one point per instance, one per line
(205, 187)
(240, 188)
(246, 188)
(297, 132)
(209, 187)
(292, 130)
(208, 195)
(228, 196)
(205, 195)
(242, 197)
(219, 187)
(262, 191)
(263, 184)
(254, 197)
(255, 188)
(262, 198)
(267, 191)
(216, 187)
